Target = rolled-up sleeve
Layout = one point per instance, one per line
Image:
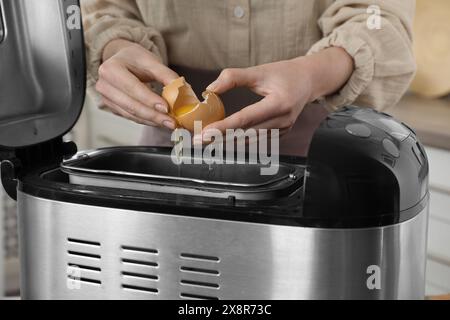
(106, 20)
(383, 54)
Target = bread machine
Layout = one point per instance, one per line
(347, 222)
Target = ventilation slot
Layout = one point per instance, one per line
(85, 280)
(141, 289)
(190, 256)
(139, 250)
(200, 284)
(85, 268)
(85, 255)
(84, 260)
(138, 275)
(200, 271)
(142, 263)
(84, 242)
(190, 296)
(139, 267)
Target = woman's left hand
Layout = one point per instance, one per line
(286, 87)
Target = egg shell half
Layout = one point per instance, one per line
(179, 94)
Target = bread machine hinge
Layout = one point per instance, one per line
(8, 171)
(17, 163)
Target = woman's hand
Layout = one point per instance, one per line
(286, 87)
(123, 78)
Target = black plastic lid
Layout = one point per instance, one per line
(42, 71)
(363, 163)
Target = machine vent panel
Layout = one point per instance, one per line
(200, 277)
(139, 270)
(84, 263)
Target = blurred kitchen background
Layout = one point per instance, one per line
(426, 108)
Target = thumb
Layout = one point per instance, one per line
(232, 78)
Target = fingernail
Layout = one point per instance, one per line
(169, 125)
(197, 140)
(212, 86)
(161, 108)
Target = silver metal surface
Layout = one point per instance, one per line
(123, 254)
(9, 250)
(2, 253)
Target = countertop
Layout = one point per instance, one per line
(429, 118)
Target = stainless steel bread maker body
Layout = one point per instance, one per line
(347, 222)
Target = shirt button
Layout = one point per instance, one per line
(239, 12)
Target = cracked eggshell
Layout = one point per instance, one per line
(179, 94)
(208, 111)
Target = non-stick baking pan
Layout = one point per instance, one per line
(152, 169)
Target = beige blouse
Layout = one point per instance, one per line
(216, 34)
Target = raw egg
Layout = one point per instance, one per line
(186, 108)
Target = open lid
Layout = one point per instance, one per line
(42, 70)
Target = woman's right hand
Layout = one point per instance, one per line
(127, 68)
